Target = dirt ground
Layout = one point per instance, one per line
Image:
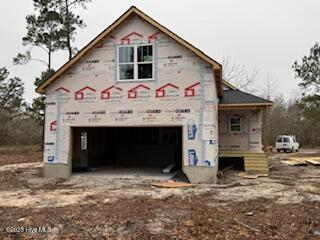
(284, 205)
(28, 154)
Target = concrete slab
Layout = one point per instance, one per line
(136, 172)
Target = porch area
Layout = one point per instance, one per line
(242, 127)
(254, 162)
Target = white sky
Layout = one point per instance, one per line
(267, 34)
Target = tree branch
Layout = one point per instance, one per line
(39, 60)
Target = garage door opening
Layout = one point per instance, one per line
(126, 147)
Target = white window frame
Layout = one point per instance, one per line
(240, 124)
(135, 63)
(126, 63)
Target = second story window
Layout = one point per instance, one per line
(135, 63)
(126, 63)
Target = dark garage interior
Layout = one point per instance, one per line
(126, 146)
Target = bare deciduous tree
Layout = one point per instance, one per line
(269, 88)
(239, 75)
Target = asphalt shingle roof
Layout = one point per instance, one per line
(237, 96)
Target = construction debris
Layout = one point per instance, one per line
(249, 213)
(243, 224)
(180, 176)
(296, 161)
(315, 161)
(316, 232)
(252, 176)
(171, 184)
(168, 169)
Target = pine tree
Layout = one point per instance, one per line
(44, 30)
(309, 72)
(71, 21)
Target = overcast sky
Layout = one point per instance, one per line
(265, 34)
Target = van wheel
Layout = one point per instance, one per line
(278, 150)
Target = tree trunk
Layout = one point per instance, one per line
(49, 59)
(69, 46)
(68, 30)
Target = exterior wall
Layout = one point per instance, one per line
(90, 95)
(250, 139)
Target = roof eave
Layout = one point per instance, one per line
(229, 106)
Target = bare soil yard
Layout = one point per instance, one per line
(285, 205)
(11, 155)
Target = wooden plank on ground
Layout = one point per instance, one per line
(171, 184)
(313, 161)
(294, 162)
(252, 176)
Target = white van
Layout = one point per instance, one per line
(287, 143)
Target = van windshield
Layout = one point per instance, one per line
(286, 140)
(279, 139)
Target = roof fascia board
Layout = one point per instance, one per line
(229, 85)
(244, 106)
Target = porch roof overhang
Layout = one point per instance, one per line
(236, 99)
(244, 106)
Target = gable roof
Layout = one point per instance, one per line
(237, 97)
(129, 13)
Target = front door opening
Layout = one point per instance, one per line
(95, 147)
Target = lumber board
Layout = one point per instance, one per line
(171, 184)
